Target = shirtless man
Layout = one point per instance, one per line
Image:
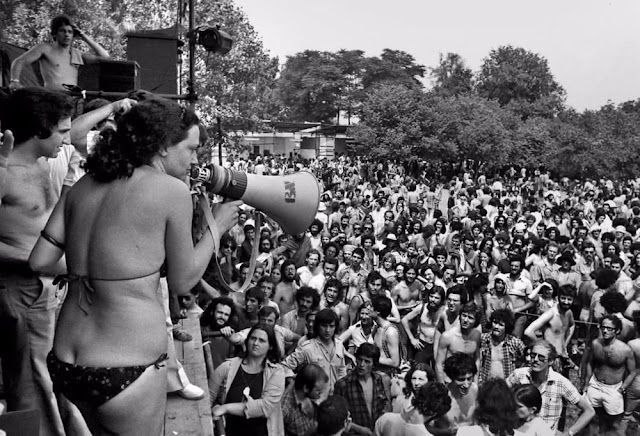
(332, 299)
(407, 293)
(428, 314)
(40, 122)
(633, 391)
(310, 269)
(557, 322)
(59, 62)
(607, 362)
(463, 338)
(286, 289)
(375, 285)
(386, 336)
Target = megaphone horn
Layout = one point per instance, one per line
(291, 200)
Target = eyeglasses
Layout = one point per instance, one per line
(539, 357)
(606, 328)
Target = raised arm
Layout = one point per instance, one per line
(100, 52)
(538, 324)
(82, 125)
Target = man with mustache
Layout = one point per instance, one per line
(500, 352)
(557, 322)
(428, 314)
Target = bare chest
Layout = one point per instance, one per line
(29, 190)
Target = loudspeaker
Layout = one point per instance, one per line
(109, 75)
(291, 200)
(157, 53)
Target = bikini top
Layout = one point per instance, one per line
(87, 288)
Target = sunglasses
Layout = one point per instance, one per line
(539, 357)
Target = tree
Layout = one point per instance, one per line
(451, 77)
(522, 81)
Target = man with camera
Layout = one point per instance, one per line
(59, 61)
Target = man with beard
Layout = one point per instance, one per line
(324, 349)
(463, 338)
(427, 314)
(375, 285)
(315, 231)
(355, 276)
(59, 61)
(557, 323)
(286, 289)
(332, 299)
(365, 391)
(544, 269)
(554, 388)
(604, 381)
(215, 327)
(310, 269)
(519, 288)
(329, 268)
(500, 352)
(307, 299)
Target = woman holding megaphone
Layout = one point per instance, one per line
(130, 215)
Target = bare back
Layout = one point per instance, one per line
(115, 236)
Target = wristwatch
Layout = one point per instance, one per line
(15, 80)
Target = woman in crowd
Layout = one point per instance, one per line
(495, 412)
(418, 375)
(117, 226)
(247, 390)
(461, 369)
(528, 403)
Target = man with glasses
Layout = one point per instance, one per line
(604, 381)
(553, 387)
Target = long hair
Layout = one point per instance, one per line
(273, 355)
(151, 125)
(496, 407)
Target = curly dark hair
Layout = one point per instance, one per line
(496, 407)
(460, 364)
(151, 125)
(613, 302)
(432, 400)
(505, 316)
(58, 22)
(34, 112)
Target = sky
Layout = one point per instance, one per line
(592, 47)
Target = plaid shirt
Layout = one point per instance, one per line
(553, 391)
(350, 388)
(512, 352)
(296, 421)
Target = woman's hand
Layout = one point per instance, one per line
(226, 214)
(218, 411)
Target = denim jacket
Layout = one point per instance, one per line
(268, 405)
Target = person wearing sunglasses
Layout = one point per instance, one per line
(554, 388)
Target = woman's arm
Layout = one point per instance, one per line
(187, 263)
(47, 256)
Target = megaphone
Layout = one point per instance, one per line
(291, 200)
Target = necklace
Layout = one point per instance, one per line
(248, 379)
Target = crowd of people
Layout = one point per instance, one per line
(405, 273)
(424, 299)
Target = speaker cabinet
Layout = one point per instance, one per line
(157, 53)
(110, 76)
